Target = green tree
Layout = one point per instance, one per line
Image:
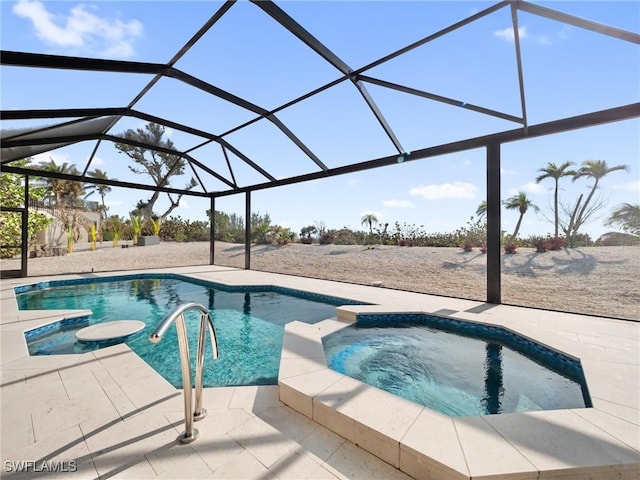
(12, 195)
(260, 227)
(69, 197)
(595, 169)
(581, 212)
(627, 217)
(307, 231)
(521, 203)
(65, 192)
(102, 190)
(160, 166)
(556, 172)
(481, 211)
(369, 219)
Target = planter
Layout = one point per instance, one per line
(148, 240)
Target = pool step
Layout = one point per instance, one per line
(109, 331)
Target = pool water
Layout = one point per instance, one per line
(249, 322)
(457, 373)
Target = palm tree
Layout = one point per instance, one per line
(481, 211)
(556, 172)
(627, 216)
(62, 190)
(101, 189)
(595, 169)
(369, 219)
(521, 203)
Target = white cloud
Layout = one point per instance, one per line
(507, 34)
(97, 161)
(81, 29)
(183, 203)
(534, 188)
(455, 190)
(507, 171)
(633, 186)
(398, 203)
(352, 182)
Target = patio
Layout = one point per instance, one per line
(107, 414)
(110, 415)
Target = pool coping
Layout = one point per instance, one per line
(350, 408)
(600, 441)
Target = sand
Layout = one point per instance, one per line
(593, 280)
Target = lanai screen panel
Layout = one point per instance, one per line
(336, 93)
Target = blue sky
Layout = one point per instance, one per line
(568, 71)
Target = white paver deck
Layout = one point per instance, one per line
(107, 414)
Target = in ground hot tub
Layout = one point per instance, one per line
(457, 368)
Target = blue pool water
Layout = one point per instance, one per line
(457, 368)
(249, 321)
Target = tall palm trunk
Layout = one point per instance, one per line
(586, 202)
(517, 229)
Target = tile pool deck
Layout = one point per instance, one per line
(114, 417)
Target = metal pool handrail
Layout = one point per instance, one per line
(191, 413)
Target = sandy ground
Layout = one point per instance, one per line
(593, 280)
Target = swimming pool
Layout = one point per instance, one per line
(249, 321)
(457, 368)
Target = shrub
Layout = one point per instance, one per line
(156, 225)
(326, 238)
(467, 245)
(193, 231)
(540, 244)
(306, 234)
(136, 227)
(180, 237)
(281, 235)
(115, 225)
(615, 239)
(556, 243)
(510, 248)
(474, 233)
(579, 240)
(12, 194)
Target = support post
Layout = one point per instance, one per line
(247, 231)
(25, 229)
(212, 231)
(494, 279)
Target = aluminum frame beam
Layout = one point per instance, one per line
(68, 140)
(314, 44)
(124, 111)
(24, 59)
(439, 98)
(601, 117)
(98, 181)
(516, 37)
(579, 22)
